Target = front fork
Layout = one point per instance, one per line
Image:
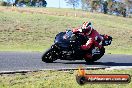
(56, 50)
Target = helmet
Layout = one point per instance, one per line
(87, 28)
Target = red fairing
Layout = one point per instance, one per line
(84, 47)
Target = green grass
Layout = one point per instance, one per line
(24, 30)
(56, 79)
(120, 51)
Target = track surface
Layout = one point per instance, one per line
(16, 61)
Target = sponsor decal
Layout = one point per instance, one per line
(83, 78)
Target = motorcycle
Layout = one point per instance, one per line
(67, 47)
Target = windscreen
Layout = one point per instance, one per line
(68, 34)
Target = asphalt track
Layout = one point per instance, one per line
(17, 61)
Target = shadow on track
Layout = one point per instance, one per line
(98, 63)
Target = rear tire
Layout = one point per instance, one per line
(96, 56)
(49, 56)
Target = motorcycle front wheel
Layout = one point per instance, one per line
(49, 56)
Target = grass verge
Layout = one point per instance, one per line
(56, 79)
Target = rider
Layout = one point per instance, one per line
(92, 34)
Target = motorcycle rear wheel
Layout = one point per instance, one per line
(95, 57)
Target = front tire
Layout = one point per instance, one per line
(49, 56)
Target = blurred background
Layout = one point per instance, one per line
(115, 7)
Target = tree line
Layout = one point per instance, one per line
(120, 7)
(21, 3)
